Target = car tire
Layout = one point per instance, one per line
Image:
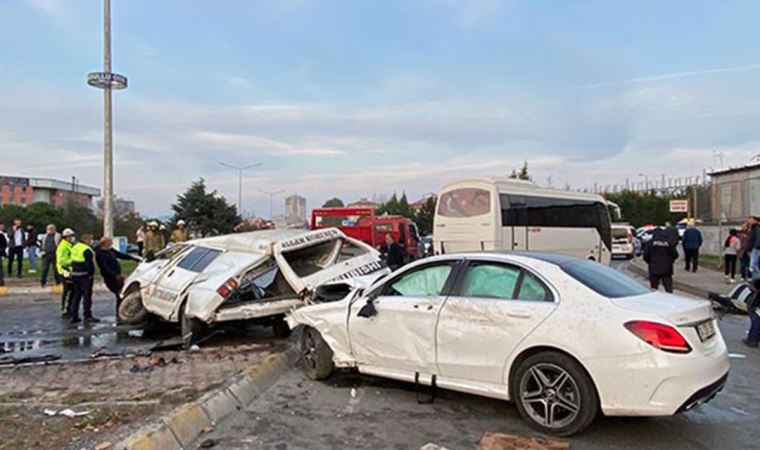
(131, 309)
(316, 355)
(281, 328)
(554, 394)
(191, 328)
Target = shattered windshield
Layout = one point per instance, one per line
(310, 260)
(263, 282)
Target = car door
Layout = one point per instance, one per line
(400, 335)
(165, 293)
(493, 306)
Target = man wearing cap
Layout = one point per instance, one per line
(82, 275)
(63, 267)
(180, 233)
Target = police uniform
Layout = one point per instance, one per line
(82, 274)
(63, 267)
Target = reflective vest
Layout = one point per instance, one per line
(63, 256)
(80, 265)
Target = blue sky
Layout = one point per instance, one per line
(352, 98)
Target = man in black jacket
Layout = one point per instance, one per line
(3, 248)
(394, 254)
(660, 253)
(108, 262)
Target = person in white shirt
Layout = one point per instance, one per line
(16, 241)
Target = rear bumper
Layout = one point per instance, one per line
(704, 395)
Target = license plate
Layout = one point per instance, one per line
(616, 248)
(706, 330)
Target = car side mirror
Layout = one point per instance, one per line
(368, 310)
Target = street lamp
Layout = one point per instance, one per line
(240, 170)
(646, 181)
(271, 194)
(107, 81)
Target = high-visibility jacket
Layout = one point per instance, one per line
(82, 260)
(63, 257)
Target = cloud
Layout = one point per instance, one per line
(669, 76)
(266, 145)
(233, 80)
(50, 7)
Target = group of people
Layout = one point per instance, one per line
(152, 239)
(13, 243)
(661, 253)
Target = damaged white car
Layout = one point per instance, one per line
(256, 276)
(563, 338)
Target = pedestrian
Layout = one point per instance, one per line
(140, 239)
(3, 250)
(394, 254)
(83, 275)
(672, 231)
(180, 233)
(47, 254)
(731, 249)
(154, 240)
(753, 310)
(32, 244)
(108, 258)
(755, 246)
(692, 240)
(63, 267)
(660, 254)
(745, 237)
(16, 242)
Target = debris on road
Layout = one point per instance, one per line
(501, 441)
(104, 446)
(28, 359)
(68, 412)
(195, 348)
(431, 446)
(353, 392)
(208, 443)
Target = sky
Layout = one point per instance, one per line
(354, 98)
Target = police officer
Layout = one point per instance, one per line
(83, 273)
(660, 253)
(63, 267)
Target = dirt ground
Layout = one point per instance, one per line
(118, 394)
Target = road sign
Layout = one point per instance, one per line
(679, 206)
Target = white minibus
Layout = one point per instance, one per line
(514, 215)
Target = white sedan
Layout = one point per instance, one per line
(563, 338)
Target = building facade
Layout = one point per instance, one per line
(736, 193)
(295, 208)
(22, 191)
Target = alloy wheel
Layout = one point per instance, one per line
(550, 395)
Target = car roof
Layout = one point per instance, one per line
(258, 241)
(552, 258)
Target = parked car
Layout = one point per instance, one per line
(622, 241)
(564, 338)
(256, 276)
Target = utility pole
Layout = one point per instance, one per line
(271, 195)
(107, 81)
(240, 170)
(646, 181)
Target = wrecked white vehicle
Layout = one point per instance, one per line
(256, 276)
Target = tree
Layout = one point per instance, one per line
(204, 212)
(334, 202)
(522, 174)
(641, 208)
(425, 215)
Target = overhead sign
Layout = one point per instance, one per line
(104, 80)
(679, 206)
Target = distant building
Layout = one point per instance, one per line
(121, 207)
(416, 206)
(364, 202)
(295, 208)
(735, 194)
(23, 191)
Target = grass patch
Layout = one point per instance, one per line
(127, 266)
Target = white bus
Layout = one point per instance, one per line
(513, 215)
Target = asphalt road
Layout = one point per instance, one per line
(355, 411)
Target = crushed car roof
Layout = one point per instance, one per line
(263, 240)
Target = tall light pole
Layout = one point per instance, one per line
(271, 194)
(240, 170)
(107, 81)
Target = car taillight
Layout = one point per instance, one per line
(664, 337)
(226, 289)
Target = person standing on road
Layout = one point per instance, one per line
(32, 245)
(108, 258)
(753, 335)
(180, 233)
(692, 240)
(660, 254)
(140, 239)
(47, 254)
(83, 275)
(63, 267)
(672, 231)
(154, 240)
(745, 237)
(394, 254)
(16, 242)
(731, 249)
(3, 249)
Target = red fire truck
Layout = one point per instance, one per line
(364, 225)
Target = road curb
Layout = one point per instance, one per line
(181, 427)
(37, 290)
(678, 285)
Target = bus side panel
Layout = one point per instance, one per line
(579, 242)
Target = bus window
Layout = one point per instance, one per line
(465, 202)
